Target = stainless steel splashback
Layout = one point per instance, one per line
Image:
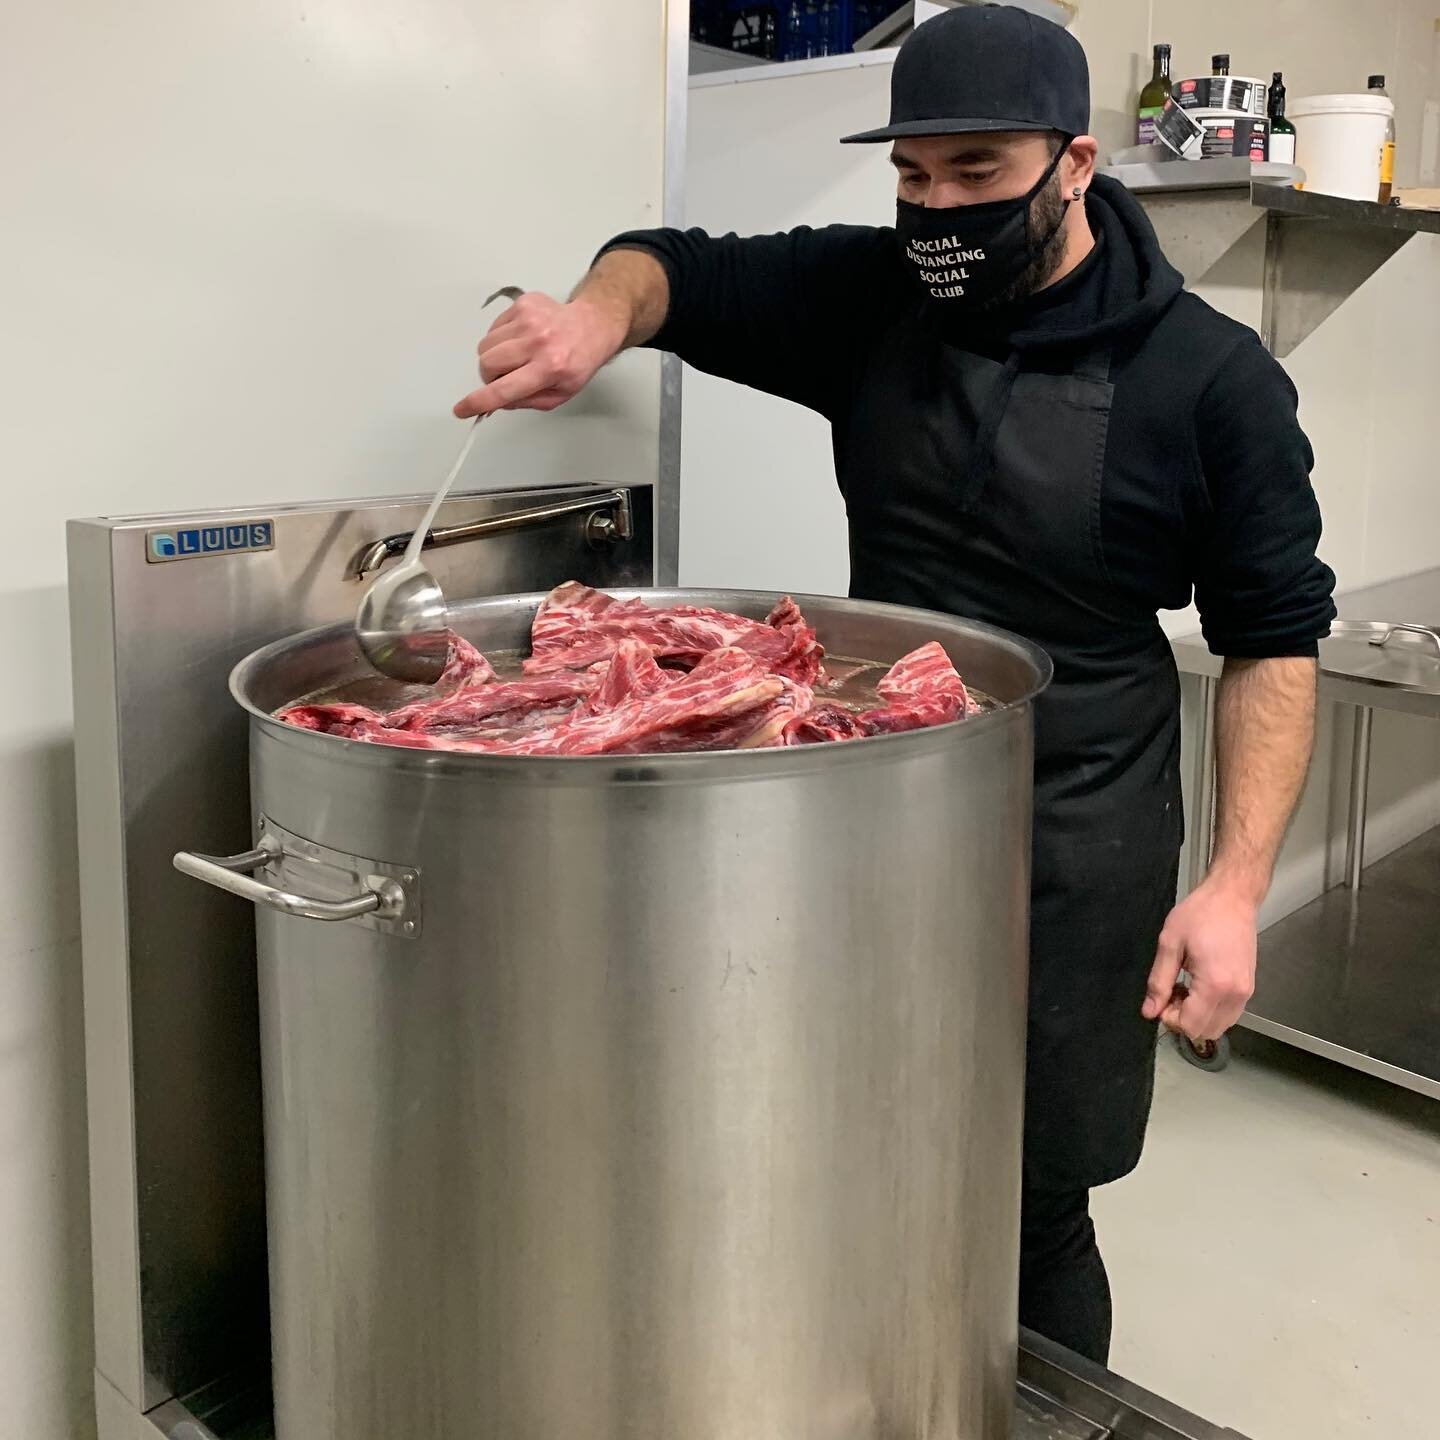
(161, 609)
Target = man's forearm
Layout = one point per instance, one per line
(1264, 734)
(630, 289)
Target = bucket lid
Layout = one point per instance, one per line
(1358, 104)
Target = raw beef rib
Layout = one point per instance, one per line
(465, 665)
(922, 689)
(577, 626)
(501, 704)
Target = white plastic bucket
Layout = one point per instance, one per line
(1339, 141)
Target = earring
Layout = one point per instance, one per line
(1078, 192)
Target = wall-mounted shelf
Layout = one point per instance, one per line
(904, 18)
(714, 60)
(1319, 249)
(706, 69)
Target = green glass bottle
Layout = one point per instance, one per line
(1282, 132)
(1154, 96)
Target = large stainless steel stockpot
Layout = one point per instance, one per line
(654, 1098)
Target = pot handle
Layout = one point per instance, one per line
(382, 897)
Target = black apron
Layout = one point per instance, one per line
(1015, 541)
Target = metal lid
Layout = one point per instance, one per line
(1378, 652)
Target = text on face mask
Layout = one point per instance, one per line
(942, 270)
(935, 251)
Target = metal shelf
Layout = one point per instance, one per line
(1319, 249)
(713, 60)
(1295, 204)
(1355, 975)
(710, 66)
(1184, 177)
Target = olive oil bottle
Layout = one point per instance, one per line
(1154, 96)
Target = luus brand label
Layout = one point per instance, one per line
(195, 542)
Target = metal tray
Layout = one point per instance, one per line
(1378, 652)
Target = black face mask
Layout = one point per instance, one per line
(968, 255)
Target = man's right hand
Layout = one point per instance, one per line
(541, 352)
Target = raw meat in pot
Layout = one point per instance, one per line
(922, 689)
(576, 626)
(621, 677)
(465, 665)
(501, 703)
(328, 717)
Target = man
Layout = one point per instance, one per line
(1033, 426)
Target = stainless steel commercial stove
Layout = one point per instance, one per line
(162, 608)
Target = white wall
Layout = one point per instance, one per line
(242, 259)
(760, 502)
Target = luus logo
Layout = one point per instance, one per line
(194, 542)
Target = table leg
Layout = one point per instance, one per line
(1359, 796)
(1202, 827)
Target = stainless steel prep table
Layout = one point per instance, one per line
(1355, 975)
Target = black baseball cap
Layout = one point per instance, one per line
(986, 67)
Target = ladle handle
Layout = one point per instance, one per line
(417, 540)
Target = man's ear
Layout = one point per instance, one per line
(1078, 167)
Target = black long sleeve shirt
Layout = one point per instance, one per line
(1206, 485)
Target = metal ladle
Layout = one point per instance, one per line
(402, 623)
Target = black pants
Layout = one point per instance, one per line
(1064, 1291)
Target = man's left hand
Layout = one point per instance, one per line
(1212, 936)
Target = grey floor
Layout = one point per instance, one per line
(1276, 1258)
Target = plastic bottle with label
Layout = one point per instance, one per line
(1387, 155)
